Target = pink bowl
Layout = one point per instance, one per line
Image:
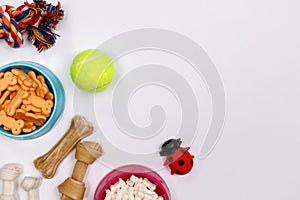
(125, 172)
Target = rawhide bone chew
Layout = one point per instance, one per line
(8, 174)
(73, 188)
(48, 163)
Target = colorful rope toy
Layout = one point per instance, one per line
(38, 19)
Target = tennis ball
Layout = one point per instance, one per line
(92, 70)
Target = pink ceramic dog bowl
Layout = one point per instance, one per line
(125, 172)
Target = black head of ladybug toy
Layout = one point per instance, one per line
(179, 160)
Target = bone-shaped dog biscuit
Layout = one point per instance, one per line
(10, 123)
(42, 88)
(26, 80)
(49, 96)
(5, 128)
(16, 102)
(29, 108)
(3, 106)
(38, 120)
(42, 81)
(12, 95)
(4, 97)
(28, 127)
(13, 88)
(7, 80)
(45, 105)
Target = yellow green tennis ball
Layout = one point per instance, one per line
(92, 70)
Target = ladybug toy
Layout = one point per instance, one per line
(179, 160)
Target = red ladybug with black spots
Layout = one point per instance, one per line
(179, 160)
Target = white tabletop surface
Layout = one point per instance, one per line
(255, 46)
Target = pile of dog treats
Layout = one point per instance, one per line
(134, 188)
(25, 101)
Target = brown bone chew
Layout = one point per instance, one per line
(48, 163)
(7, 80)
(74, 188)
(16, 102)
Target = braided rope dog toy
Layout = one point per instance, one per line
(38, 19)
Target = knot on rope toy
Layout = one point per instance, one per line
(39, 19)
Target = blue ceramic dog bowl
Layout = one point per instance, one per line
(55, 87)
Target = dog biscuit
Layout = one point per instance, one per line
(1, 74)
(26, 80)
(12, 94)
(4, 97)
(38, 120)
(10, 123)
(29, 108)
(20, 82)
(14, 88)
(49, 96)
(5, 128)
(28, 127)
(44, 105)
(16, 102)
(4, 105)
(41, 90)
(23, 87)
(7, 80)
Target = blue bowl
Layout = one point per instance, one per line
(55, 87)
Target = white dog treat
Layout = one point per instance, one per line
(129, 182)
(149, 184)
(31, 185)
(108, 195)
(147, 191)
(133, 188)
(134, 179)
(8, 174)
(121, 183)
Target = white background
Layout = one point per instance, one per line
(255, 46)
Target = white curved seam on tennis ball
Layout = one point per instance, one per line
(101, 86)
(88, 60)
